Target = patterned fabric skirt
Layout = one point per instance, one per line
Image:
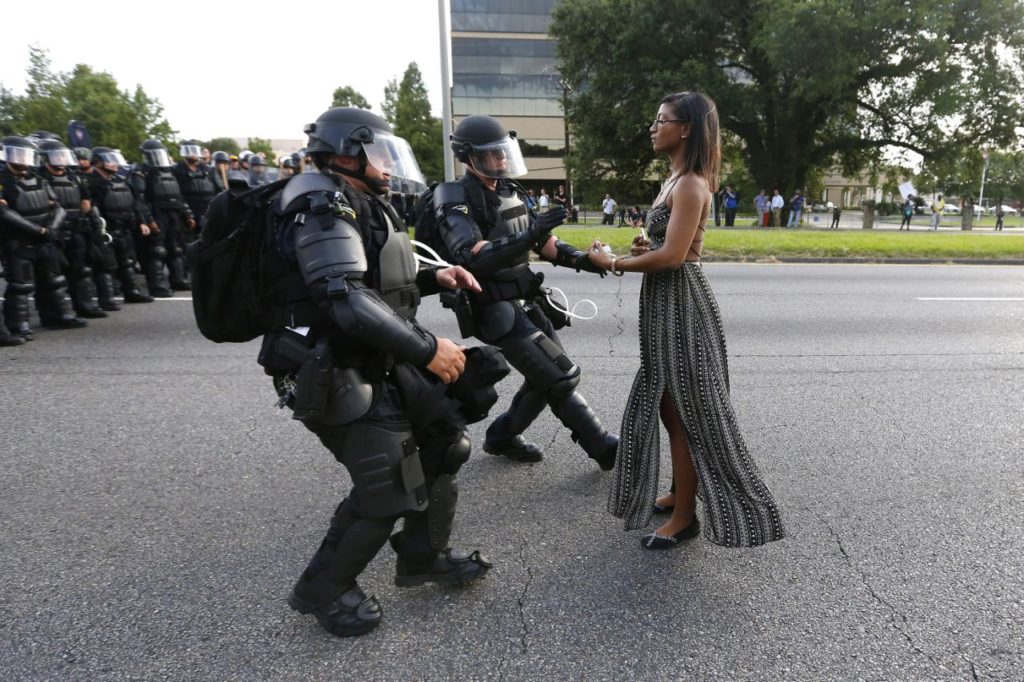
(682, 352)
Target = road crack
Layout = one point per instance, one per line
(900, 622)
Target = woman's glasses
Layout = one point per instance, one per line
(660, 121)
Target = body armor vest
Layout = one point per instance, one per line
(118, 203)
(162, 189)
(396, 268)
(69, 194)
(33, 200)
(196, 185)
(511, 217)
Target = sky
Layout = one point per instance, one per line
(234, 69)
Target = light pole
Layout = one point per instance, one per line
(566, 88)
(444, 36)
(984, 172)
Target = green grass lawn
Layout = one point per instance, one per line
(759, 244)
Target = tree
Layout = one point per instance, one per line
(259, 145)
(347, 96)
(223, 144)
(804, 84)
(113, 117)
(407, 108)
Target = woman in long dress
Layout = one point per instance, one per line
(683, 375)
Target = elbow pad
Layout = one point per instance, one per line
(361, 312)
(56, 218)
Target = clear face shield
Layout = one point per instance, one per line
(110, 161)
(60, 158)
(499, 159)
(394, 156)
(190, 151)
(158, 158)
(21, 156)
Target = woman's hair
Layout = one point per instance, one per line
(703, 154)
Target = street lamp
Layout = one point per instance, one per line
(566, 89)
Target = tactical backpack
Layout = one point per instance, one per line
(426, 224)
(229, 264)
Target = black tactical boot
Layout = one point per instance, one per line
(350, 614)
(452, 567)
(83, 298)
(105, 292)
(499, 441)
(601, 446)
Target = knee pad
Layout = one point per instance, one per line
(564, 387)
(384, 464)
(85, 272)
(20, 288)
(159, 251)
(456, 455)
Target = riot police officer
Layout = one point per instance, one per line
(221, 167)
(6, 338)
(257, 170)
(375, 386)
(59, 165)
(195, 179)
(486, 227)
(169, 218)
(31, 220)
(124, 214)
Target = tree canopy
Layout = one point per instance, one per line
(407, 108)
(802, 84)
(113, 117)
(347, 96)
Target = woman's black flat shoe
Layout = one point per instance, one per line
(655, 541)
(663, 508)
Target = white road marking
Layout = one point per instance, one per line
(968, 298)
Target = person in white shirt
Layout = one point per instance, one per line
(608, 207)
(777, 203)
(543, 202)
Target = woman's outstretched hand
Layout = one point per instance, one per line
(640, 246)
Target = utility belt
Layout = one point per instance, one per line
(510, 284)
(311, 380)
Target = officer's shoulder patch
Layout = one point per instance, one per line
(344, 211)
(461, 208)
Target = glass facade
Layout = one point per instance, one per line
(502, 16)
(503, 64)
(505, 77)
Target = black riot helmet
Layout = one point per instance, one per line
(20, 153)
(191, 149)
(257, 169)
(54, 153)
(221, 157)
(107, 159)
(155, 154)
(483, 144)
(362, 134)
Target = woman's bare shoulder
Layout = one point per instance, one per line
(691, 188)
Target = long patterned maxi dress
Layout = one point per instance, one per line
(682, 351)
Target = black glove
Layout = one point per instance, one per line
(583, 263)
(545, 222)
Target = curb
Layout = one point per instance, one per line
(880, 261)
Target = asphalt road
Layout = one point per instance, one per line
(155, 507)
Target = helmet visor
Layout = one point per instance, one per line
(190, 151)
(499, 159)
(158, 158)
(394, 156)
(21, 156)
(60, 157)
